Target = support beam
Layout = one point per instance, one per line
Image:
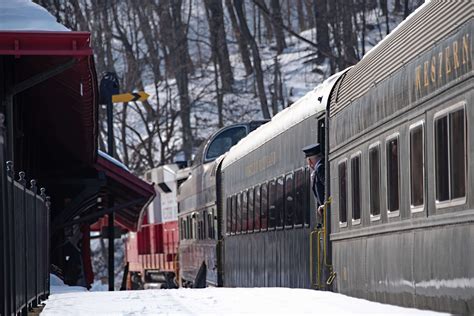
(41, 77)
(75, 205)
(96, 215)
(10, 127)
(111, 256)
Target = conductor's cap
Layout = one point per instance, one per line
(312, 150)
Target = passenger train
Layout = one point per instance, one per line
(398, 138)
(197, 205)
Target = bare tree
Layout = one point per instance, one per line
(277, 22)
(147, 45)
(241, 41)
(256, 58)
(266, 19)
(384, 7)
(309, 9)
(322, 29)
(301, 15)
(215, 17)
(177, 43)
(150, 31)
(277, 93)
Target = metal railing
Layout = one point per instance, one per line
(24, 239)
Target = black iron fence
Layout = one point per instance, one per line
(24, 239)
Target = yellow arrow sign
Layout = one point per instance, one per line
(130, 97)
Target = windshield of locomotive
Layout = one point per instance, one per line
(224, 141)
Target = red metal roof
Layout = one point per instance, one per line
(44, 43)
(126, 187)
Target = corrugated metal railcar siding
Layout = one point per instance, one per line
(393, 52)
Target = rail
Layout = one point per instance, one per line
(24, 240)
(321, 258)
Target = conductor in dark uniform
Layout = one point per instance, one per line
(315, 160)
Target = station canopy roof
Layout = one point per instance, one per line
(126, 189)
(53, 70)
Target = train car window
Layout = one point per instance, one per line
(442, 162)
(457, 153)
(322, 132)
(204, 225)
(355, 187)
(280, 202)
(272, 204)
(393, 175)
(210, 220)
(417, 168)
(228, 213)
(342, 193)
(289, 201)
(251, 211)
(199, 229)
(196, 227)
(299, 197)
(188, 228)
(238, 215)
(306, 197)
(234, 214)
(264, 207)
(257, 204)
(374, 181)
(207, 225)
(224, 141)
(214, 225)
(245, 214)
(450, 155)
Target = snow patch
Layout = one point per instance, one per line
(24, 15)
(113, 160)
(462, 283)
(57, 286)
(54, 280)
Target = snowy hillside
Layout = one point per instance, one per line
(297, 45)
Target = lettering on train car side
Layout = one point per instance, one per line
(260, 164)
(447, 62)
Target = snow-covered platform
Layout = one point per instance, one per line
(217, 301)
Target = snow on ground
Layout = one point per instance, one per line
(57, 286)
(24, 15)
(218, 301)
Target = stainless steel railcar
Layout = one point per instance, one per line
(267, 201)
(401, 147)
(197, 199)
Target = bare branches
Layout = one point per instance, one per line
(206, 65)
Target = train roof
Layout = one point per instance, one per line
(425, 26)
(312, 103)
